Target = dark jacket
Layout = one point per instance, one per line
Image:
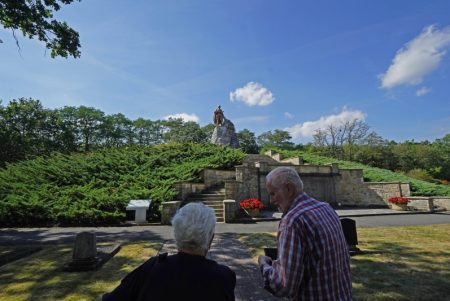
(176, 277)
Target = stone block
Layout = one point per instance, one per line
(168, 211)
(229, 210)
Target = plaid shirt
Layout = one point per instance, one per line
(313, 259)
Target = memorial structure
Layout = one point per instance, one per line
(224, 132)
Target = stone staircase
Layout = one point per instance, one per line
(212, 197)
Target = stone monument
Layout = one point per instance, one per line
(224, 133)
(86, 256)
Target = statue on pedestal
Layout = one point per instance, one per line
(224, 132)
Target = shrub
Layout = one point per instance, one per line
(94, 188)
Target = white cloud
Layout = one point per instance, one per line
(253, 94)
(186, 117)
(417, 58)
(308, 128)
(423, 91)
(288, 115)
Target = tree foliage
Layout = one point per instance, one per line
(30, 130)
(35, 20)
(247, 141)
(277, 138)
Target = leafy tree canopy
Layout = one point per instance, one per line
(35, 19)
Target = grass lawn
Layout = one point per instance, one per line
(400, 263)
(40, 276)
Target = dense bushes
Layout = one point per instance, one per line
(374, 174)
(94, 188)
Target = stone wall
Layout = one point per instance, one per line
(340, 187)
(186, 188)
(390, 189)
(442, 202)
(213, 176)
(421, 203)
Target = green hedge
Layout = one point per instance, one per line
(94, 188)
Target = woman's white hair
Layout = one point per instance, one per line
(284, 175)
(193, 226)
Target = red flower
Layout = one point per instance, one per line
(398, 200)
(252, 203)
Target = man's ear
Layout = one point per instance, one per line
(291, 191)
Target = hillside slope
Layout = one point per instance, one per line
(94, 188)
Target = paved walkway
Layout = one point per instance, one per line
(228, 251)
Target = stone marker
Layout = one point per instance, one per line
(351, 236)
(86, 256)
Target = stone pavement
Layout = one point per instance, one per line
(228, 251)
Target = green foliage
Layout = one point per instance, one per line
(374, 174)
(247, 141)
(35, 20)
(94, 188)
(277, 138)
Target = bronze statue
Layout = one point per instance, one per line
(218, 116)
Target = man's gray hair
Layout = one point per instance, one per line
(193, 226)
(284, 175)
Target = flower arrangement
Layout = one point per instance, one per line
(252, 203)
(398, 200)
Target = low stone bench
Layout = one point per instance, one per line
(140, 207)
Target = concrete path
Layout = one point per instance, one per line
(228, 251)
(267, 223)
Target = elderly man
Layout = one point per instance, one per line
(187, 275)
(313, 258)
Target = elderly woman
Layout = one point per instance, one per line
(187, 275)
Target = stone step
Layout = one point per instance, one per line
(206, 195)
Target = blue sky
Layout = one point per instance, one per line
(291, 65)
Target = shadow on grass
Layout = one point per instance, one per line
(40, 276)
(392, 271)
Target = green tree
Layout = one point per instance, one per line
(89, 121)
(35, 20)
(442, 149)
(247, 141)
(148, 132)
(116, 130)
(277, 138)
(180, 131)
(22, 122)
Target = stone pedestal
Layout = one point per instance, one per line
(140, 208)
(86, 256)
(229, 210)
(168, 211)
(225, 134)
(399, 207)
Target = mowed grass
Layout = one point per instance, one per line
(399, 263)
(40, 275)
